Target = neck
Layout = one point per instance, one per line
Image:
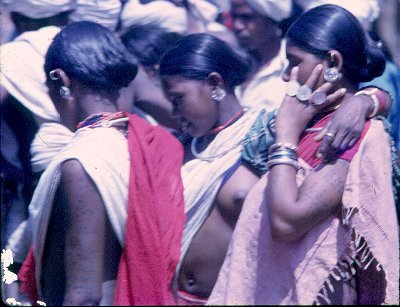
(94, 104)
(228, 109)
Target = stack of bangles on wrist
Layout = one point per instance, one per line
(282, 153)
(377, 97)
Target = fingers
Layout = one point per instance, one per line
(314, 77)
(321, 134)
(293, 73)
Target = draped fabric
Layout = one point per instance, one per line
(259, 270)
(155, 217)
(147, 217)
(202, 177)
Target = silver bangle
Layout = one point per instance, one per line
(375, 100)
(282, 145)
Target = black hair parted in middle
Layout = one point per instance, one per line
(197, 55)
(330, 26)
(93, 55)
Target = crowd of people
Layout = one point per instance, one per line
(193, 152)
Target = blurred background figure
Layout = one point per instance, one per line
(144, 96)
(257, 27)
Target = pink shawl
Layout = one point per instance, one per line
(259, 270)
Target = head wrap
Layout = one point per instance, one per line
(274, 9)
(104, 12)
(39, 8)
(366, 11)
(166, 14)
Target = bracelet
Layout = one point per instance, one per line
(287, 153)
(281, 145)
(279, 161)
(375, 100)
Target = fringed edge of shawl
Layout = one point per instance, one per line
(359, 256)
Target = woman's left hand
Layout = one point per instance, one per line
(346, 125)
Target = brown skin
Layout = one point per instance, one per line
(255, 33)
(198, 113)
(296, 210)
(80, 246)
(145, 93)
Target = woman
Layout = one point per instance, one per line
(144, 94)
(198, 77)
(312, 232)
(90, 199)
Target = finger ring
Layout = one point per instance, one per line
(304, 93)
(318, 98)
(292, 87)
(330, 134)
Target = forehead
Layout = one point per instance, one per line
(241, 7)
(178, 84)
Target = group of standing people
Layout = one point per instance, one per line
(252, 182)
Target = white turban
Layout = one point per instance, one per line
(39, 8)
(166, 14)
(104, 12)
(366, 11)
(274, 9)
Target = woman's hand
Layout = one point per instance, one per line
(346, 125)
(294, 115)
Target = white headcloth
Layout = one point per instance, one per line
(274, 9)
(104, 12)
(39, 8)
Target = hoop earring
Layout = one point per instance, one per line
(65, 92)
(53, 75)
(332, 75)
(218, 93)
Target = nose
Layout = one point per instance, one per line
(237, 24)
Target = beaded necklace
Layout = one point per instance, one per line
(104, 120)
(229, 122)
(197, 155)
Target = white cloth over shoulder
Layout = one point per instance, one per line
(103, 153)
(22, 73)
(274, 9)
(39, 8)
(48, 142)
(203, 178)
(266, 89)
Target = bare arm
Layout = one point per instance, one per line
(84, 242)
(296, 210)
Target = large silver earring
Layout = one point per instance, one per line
(332, 75)
(218, 93)
(65, 92)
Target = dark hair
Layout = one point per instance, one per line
(197, 55)
(149, 42)
(93, 55)
(328, 27)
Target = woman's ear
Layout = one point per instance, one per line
(335, 59)
(214, 79)
(59, 74)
